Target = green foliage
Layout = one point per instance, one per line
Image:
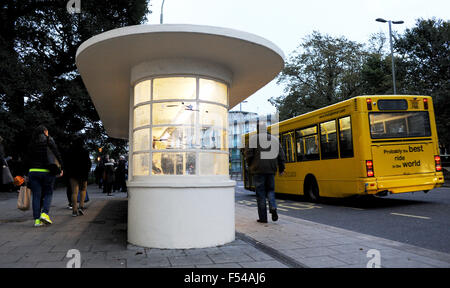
(39, 82)
(425, 54)
(323, 71)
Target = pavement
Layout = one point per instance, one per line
(100, 236)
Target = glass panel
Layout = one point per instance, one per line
(300, 146)
(142, 92)
(399, 125)
(173, 138)
(140, 164)
(214, 91)
(307, 144)
(311, 147)
(165, 163)
(213, 164)
(345, 137)
(308, 131)
(168, 113)
(141, 140)
(286, 143)
(213, 115)
(174, 88)
(213, 138)
(141, 116)
(328, 140)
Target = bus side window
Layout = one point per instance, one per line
(308, 142)
(287, 146)
(300, 145)
(345, 137)
(283, 143)
(328, 140)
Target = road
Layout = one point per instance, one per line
(414, 218)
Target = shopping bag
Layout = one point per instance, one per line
(85, 199)
(24, 199)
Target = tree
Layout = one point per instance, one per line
(425, 51)
(376, 71)
(39, 82)
(324, 70)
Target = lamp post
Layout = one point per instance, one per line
(161, 18)
(240, 105)
(392, 51)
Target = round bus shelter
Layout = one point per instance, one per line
(167, 89)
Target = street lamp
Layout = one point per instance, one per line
(161, 18)
(240, 105)
(390, 40)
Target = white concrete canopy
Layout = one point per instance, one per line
(105, 62)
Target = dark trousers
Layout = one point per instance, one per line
(108, 187)
(41, 185)
(265, 189)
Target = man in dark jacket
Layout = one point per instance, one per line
(264, 155)
(78, 167)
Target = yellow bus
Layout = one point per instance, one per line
(367, 145)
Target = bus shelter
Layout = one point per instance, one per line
(167, 89)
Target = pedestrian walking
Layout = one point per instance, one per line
(264, 155)
(2, 149)
(78, 167)
(3, 165)
(108, 177)
(121, 172)
(41, 175)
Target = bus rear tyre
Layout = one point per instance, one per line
(312, 190)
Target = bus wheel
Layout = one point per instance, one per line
(312, 189)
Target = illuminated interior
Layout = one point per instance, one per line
(186, 118)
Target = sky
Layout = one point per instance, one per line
(287, 22)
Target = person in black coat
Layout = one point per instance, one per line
(78, 167)
(109, 176)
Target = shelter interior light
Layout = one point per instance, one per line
(186, 120)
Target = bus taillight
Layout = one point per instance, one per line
(369, 167)
(425, 103)
(369, 104)
(437, 161)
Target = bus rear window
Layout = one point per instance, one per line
(399, 124)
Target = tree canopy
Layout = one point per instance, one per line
(324, 70)
(425, 59)
(39, 82)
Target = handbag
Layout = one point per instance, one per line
(6, 175)
(53, 163)
(24, 198)
(85, 199)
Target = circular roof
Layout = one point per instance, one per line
(105, 62)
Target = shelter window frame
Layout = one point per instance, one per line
(194, 124)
